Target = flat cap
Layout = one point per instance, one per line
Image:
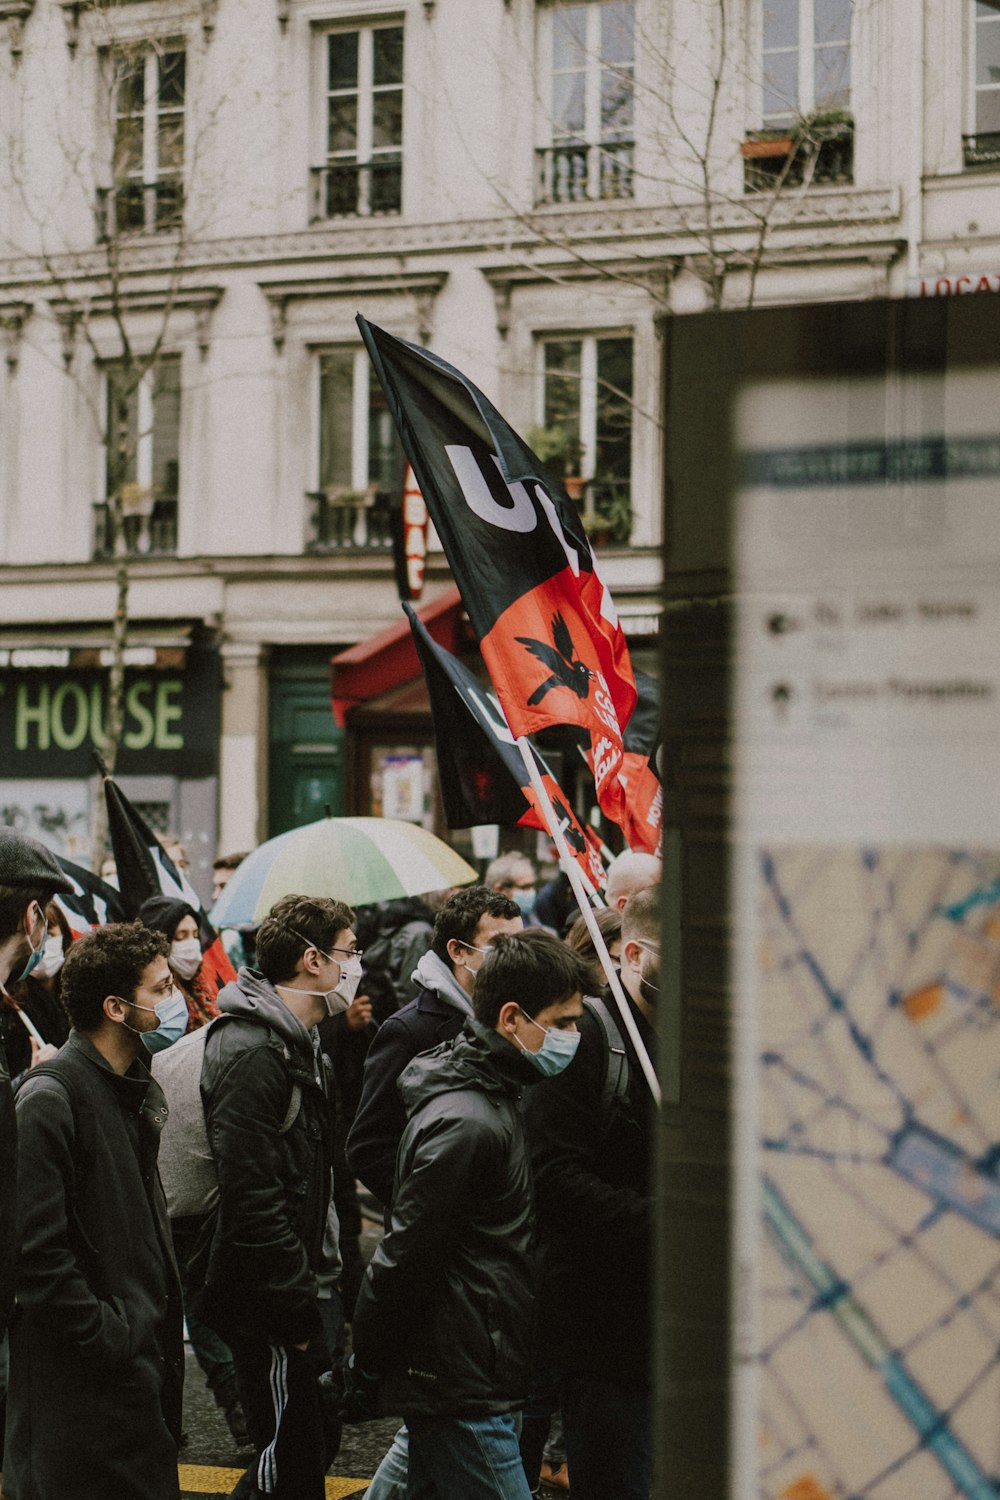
(26, 862)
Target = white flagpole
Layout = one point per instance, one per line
(30, 1027)
(575, 876)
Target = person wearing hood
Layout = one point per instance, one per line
(180, 926)
(443, 1329)
(265, 1088)
(464, 930)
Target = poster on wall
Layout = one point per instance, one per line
(867, 900)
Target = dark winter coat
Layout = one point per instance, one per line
(94, 1401)
(274, 1185)
(435, 1016)
(594, 1190)
(445, 1312)
(8, 1192)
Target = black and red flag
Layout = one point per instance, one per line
(91, 903)
(483, 778)
(145, 869)
(546, 623)
(638, 774)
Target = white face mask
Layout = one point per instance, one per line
(51, 960)
(185, 957)
(341, 997)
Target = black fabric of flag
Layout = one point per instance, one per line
(479, 768)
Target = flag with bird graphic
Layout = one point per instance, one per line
(482, 776)
(547, 626)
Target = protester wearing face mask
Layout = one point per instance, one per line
(96, 1350)
(591, 1133)
(179, 924)
(443, 1327)
(464, 930)
(36, 999)
(273, 1159)
(513, 875)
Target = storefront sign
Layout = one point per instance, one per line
(50, 716)
(954, 286)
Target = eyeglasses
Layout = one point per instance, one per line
(472, 947)
(347, 952)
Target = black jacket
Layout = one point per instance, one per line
(274, 1186)
(8, 1192)
(94, 1402)
(435, 1016)
(445, 1312)
(594, 1191)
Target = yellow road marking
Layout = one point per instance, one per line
(200, 1479)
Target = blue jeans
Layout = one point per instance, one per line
(609, 1438)
(455, 1459)
(389, 1482)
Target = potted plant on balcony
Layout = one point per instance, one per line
(561, 451)
(610, 522)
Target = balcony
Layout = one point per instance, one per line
(816, 151)
(349, 521)
(348, 190)
(140, 208)
(577, 173)
(150, 530)
(981, 150)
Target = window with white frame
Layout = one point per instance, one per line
(982, 146)
(142, 455)
(807, 59)
(587, 417)
(146, 84)
(360, 459)
(362, 122)
(588, 51)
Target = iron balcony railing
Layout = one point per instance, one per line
(342, 521)
(150, 533)
(344, 190)
(577, 173)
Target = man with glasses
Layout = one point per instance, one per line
(269, 1117)
(464, 929)
(96, 1352)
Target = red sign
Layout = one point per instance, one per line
(414, 534)
(955, 286)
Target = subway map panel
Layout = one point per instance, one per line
(879, 1139)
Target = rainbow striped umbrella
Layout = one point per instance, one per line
(357, 860)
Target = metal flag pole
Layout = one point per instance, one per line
(575, 877)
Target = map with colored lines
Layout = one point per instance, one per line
(879, 1145)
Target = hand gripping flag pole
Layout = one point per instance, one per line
(576, 880)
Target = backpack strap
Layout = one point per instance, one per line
(617, 1072)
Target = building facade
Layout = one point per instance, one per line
(197, 197)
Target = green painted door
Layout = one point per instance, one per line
(306, 757)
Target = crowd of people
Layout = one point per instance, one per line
(176, 1153)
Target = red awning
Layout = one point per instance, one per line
(388, 659)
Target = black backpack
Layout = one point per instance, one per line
(618, 1072)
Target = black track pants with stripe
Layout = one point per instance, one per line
(281, 1401)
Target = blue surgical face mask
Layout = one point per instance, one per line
(36, 953)
(173, 1017)
(524, 899)
(557, 1050)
